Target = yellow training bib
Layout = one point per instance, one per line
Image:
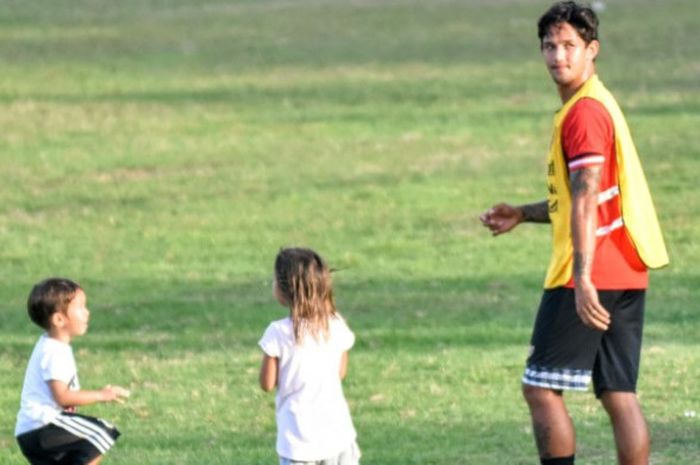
(638, 213)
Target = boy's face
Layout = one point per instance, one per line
(75, 320)
(568, 58)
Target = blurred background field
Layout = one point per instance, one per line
(160, 152)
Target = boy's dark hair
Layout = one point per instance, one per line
(48, 297)
(581, 17)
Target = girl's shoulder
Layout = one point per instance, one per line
(341, 332)
(338, 320)
(283, 326)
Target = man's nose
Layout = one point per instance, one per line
(559, 53)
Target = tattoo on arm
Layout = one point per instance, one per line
(585, 186)
(585, 181)
(583, 264)
(535, 212)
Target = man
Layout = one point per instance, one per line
(605, 235)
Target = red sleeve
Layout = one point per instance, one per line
(586, 134)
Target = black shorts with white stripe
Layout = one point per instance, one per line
(71, 438)
(568, 355)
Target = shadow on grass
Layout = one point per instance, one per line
(407, 314)
(309, 101)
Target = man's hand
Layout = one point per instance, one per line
(588, 307)
(501, 218)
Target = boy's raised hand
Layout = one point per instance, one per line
(115, 393)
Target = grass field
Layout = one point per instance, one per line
(160, 152)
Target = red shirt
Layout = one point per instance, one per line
(588, 139)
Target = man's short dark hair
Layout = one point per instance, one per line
(580, 17)
(48, 297)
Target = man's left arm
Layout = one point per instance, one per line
(585, 186)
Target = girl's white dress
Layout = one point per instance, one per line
(313, 418)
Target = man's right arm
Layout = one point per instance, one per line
(503, 217)
(535, 212)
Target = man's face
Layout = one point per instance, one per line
(568, 58)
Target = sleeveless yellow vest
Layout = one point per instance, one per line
(638, 213)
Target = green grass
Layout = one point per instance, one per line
(160, 152)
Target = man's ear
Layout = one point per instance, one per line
(593, 48)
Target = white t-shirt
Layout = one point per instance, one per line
(50, 360)
(313, 418)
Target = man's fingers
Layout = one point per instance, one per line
(602, 314)
(595, 317)
(592, 322)
(600, 325)
(600, 319)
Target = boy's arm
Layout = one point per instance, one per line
(67, 398)
(343, 365)
(268, 373)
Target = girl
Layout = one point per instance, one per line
(305, 357)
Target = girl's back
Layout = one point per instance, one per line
(305, 357)
(313, 418)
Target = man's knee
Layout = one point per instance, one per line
(619, 403)
(537, 396)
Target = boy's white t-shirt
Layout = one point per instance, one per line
(50, 360)
(313, 417)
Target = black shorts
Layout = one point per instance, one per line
(72, 439)
(566, 354)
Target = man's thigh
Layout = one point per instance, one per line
(617, 362)
(563, 350)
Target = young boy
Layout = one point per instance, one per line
(48, 430)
